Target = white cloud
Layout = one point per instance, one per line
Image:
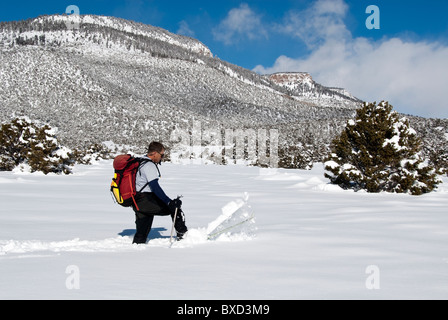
(321, 21)
(185, 30)
(410, 75)
(240, 23)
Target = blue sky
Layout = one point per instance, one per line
(405, 61)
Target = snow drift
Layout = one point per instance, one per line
(310, 239)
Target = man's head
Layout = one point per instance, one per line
(156, 151)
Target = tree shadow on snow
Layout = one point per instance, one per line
(156, 233)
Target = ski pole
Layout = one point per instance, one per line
(172, 228)
(174, 220)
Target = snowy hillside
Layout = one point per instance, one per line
(301, 86)
(99, 79)
(67, 30)
(62, 237)
(111, 71)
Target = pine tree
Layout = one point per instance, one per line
(379, 151)
(294, 157)
(438, 156)
(24, 142)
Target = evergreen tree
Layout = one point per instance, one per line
(294, 157)
(94, 152)
(23, 142)
(379, 151)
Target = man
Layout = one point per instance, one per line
(151, 199)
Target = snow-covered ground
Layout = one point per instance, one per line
(62, 237)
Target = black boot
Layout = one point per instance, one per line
(179, 224)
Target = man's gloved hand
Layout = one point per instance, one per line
(175, 203)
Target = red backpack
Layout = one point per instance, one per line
(123, 182)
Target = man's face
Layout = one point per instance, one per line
(158, 156)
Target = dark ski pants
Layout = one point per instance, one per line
(149, 206)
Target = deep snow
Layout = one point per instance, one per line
(62, 237)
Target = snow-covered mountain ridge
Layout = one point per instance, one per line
(109, 79)
(75, 23)
(301, 84)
